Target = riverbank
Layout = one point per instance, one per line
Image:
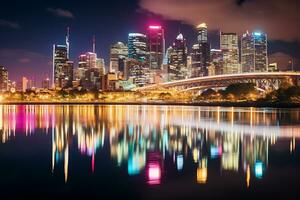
(222, 104)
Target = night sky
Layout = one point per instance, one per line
(29, 28)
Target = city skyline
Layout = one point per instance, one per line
(33, 54)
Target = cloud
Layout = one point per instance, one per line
(278, 18)
(9, 24)
(24, 60)
(58, 12)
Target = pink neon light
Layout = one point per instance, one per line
(154, 174)
(154, 27)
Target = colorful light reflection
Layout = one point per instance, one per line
(154, 174)
(258, 169)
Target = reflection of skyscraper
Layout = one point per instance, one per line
(254, 56)
(200, 53)
(137, 46)
(230, 48)
(156, 46)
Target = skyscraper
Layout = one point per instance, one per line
(137, 72)
(178, 59)
(3, 79)
(216, 56)
(137, 46)
(200, 53)
(254, 56)
(89, 70)
(156, 46)
(62, 67)
(230, 49)
(60, 58)
(118, 54)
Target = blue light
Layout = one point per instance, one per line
(179, 162)
(133, 166)
(257, 33)
(215, 151)
(258, 169)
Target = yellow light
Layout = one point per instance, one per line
(1, 98)
(248, 176)
(202, 25)
(202, 175)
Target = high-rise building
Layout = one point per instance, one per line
(156, 46)
(3, 79)
(201, 53)
(24, 82)
(137, 72)
(254, 56)
(177, 64)
(230, 49)
(90, 68)
(118, 54)
(62, 76)
(60, 58)
(216, 57)
(137, 46)
(46, 83)
(101, 66)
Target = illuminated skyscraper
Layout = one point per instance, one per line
(60, 58)
(254, 57)
(3, 79)
(178, 59)
(156, 46)
(200, 53)
(216, 56)
(118, 54)
(137, 46)
(137, 72)
(230, 48)
(89, 70)
(62, 67)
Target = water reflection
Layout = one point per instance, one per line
(143, 137)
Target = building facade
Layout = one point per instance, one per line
(156, 46)
(118, 54)
(137, 46)
(177, 64)
(201, 53)
(230, 49)
(3, 79)
(254, 53)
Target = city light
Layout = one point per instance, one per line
(257, 33)
(154, 27)
(154, 173)
(258, 169)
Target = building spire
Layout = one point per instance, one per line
(94, 44)
(68, 42)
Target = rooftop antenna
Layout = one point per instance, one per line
(68, 42)
(94, 44)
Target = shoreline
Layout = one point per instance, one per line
(210, 104)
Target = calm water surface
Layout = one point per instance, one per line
(148, 152)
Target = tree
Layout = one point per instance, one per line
(240, 90)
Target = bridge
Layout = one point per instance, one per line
(263, 80)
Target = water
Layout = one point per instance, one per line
(148, 152)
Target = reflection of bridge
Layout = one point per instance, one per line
(263, 80)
